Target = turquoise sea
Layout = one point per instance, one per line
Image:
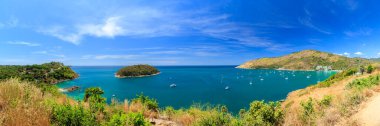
(197, 84)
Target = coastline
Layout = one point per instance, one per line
(285, 69)
(117, 76)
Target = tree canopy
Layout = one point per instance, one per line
(137, 70)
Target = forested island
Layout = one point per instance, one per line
(49, 73)
(137, 71)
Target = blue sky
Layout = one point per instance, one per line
(179, 32)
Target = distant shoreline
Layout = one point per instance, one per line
(117, 76)
(284, 69)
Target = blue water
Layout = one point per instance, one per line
(197, 84)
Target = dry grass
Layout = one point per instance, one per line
(345, 103)
(22, 104)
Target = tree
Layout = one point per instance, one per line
(362, 69)
(370, 69)
(93, 91)
(94, 97)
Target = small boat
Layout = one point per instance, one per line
(261, 79)
(250, 83)
(113, 95)
(173, 85)
(227, 88)
(308, 77)
(286, 78)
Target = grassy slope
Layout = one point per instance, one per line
(23, 104)
(306, 60)
(330, 105)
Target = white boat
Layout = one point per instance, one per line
(286, 78)
(250, 83)
(227, 88)
(261, 79)
(173, 85)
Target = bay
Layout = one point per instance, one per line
(214, 85)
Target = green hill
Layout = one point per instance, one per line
(50, 73)
(306, 60)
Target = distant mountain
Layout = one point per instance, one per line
(306, 60)
(375, 59)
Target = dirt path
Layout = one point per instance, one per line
(368, 115)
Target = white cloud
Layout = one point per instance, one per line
(307, 21)
(358, 53)
(360, 32)
(142, 21)
(110, 28)
(346, 54)
(10, 23)
(378, 54)
(59, 32)
(23, 43)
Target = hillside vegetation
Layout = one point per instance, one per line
(335, 101)
(23, 103)
(306, 60)
(50, 73)
(137, 70)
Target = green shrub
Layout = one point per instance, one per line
(48, 88)
(326, 101)
(94, 97)
(364, 82)
(217, 119)
(67, 115)
(337, 77)
(118, 119)
(264, 114)
(308, 111)
(137, 119)
(150, 103)
(169, 111)
(370, 69)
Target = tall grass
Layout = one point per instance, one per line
(21, 103)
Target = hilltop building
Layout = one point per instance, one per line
(323, 68)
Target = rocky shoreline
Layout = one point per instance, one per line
(118, 76)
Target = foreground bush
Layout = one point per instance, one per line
(150, 103)
(364, 82)
(263, 114)
(72, 115)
